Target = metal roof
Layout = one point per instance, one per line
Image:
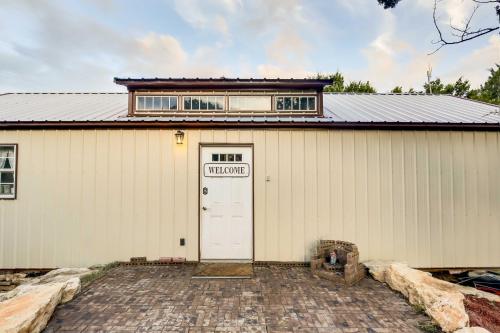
(221, 83)
(48, 108)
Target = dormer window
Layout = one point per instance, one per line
(195, 103)
(296, 103)
(224, 96)
(156, 103)
(250, 103)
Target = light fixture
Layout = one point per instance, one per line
(179, 137)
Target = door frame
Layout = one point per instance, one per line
(201, 145)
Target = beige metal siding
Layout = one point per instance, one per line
(93, 196)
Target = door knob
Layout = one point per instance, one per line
(204, 208)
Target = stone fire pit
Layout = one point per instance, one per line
(347, 270)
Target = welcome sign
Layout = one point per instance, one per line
(226, 169)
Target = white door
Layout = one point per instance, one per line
(226, 230)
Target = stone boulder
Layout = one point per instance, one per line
(30, 310)
(377, 268)
(472, 330)
(71, 289)
(440, 299)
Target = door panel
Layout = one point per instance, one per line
(226, 221)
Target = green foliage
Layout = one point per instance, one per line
(360, 87)
(411, 91)
(97, 274)
(397, 90)
(388, 3)
(338, 84)
(429, 327)
(435, 86)
(337, 81)
(489, 92)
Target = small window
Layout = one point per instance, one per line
(8, 160)
(230, 157)
(204, 103)
(238, 157)
(215, 157)
(222, 157)
(156, 103)
(296, 103)
(250, 103)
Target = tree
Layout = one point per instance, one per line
(488, 92)
(460, 34)
(337, 81)
(397, 90)
(461, 88)
(338, 84)
(360, 87)
(434, 87)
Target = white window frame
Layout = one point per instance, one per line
(292, 96)
(161, 102)
(270, 96)
(13, 170)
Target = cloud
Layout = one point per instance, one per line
(70, 50)
(474, 66)
(207, 14)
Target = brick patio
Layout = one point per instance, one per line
(277, 299)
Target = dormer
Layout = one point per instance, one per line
(224, 96)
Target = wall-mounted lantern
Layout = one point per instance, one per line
(179, 137)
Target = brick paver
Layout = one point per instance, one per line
(277, 299)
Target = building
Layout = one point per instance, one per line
(246, 169)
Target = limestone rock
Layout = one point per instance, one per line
(440, 299)
(377, 268)
(72, 287)
(31, 309)
(478, 293)
(472, 330)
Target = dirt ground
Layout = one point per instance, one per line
(483, 313)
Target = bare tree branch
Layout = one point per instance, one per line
(462, 34)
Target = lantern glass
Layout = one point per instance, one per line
(179, 137)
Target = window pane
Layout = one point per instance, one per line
(279, 103)
(288, 103)
(211, 102)
(6, 189)
(230, 157)
(215, 157)
(295, 103)
(149, 103)
(311, 103)
(187, 103)
(195, 103)
(7, 177)
(173, 103)
(203, 102)
(303, 103)
(250, 103)
(140, 103)
(237, 157)
(157, 103)
(7, 157)
(164, 102)
(220, 102)
(222, 157)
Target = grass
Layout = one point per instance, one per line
(97, 274)
(429, 327)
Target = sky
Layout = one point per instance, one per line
(76, 45)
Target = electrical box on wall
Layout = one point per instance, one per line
(182, 242)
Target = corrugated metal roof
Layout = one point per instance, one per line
(338, 108)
